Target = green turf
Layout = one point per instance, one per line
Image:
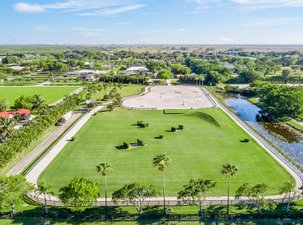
(209, 139)
(49, 94)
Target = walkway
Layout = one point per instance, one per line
(33, 175)
(23, 164)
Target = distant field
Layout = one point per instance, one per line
(49, 94)
(210, 139)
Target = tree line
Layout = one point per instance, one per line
(81, 192)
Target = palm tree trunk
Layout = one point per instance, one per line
(228, 187)
(13, 210)
(45, 205)
(288, 203)
(105, 194)
(163, 191)
(200, 211)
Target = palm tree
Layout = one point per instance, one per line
(288, 187)
(228, 171)
(42, 189)
(6, 125)
(103, 169)
(161, 161)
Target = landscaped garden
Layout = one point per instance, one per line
(202, 141)
(49, 94)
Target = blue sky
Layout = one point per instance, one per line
(151, 22)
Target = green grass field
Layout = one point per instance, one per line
(49, 94)
(209, 140)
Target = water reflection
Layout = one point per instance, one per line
(290, 142)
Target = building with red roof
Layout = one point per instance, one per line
(24, 113)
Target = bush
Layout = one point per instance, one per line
(142, 125)
(125, 145)
(140, 142)
(181, 127)
(161, 136)
(173, 129)
(245, 140)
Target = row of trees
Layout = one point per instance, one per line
(213, 72)
(124, 79)
(22, 139)
(82, 192)
(281, 100)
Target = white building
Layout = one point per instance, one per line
(136, 69)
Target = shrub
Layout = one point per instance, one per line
(73, 138)
(140, 142)
(125, 145)
(145, 125)
(139, 123)
(161, 136)
(181, 127)
(173, 129)
(245, 140)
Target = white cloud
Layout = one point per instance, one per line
(86, 7)
(114, 11)
(28, 8)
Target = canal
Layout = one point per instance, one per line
(286, 139)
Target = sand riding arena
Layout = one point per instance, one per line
(171, 97)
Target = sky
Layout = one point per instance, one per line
(96, 22)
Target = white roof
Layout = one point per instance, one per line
(17, 68)
(136, 68)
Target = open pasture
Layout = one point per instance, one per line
(209, 139)
(49, 94)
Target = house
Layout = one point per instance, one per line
(25, 114)
(136, 68)
(19, 69)
(70, 74)
(229, 66)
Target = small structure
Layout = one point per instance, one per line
(136, 68)
(19, 69)
(86, 74)
(70, 74)
(25, 114)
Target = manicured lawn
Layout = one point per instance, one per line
(198, 151)
(49, 94)
(126, 90)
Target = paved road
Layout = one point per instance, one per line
(33, 175)
(23, 164)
